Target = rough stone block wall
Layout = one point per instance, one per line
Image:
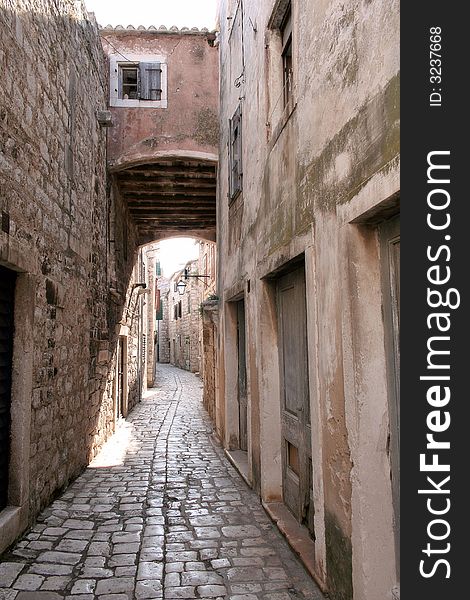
(163, 331)
(188, 326)
(210, 317)
(55, 226)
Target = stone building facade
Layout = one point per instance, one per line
(308, 236)
(162, 155)
(184, 319)
(162, 147)
(208, 331)
(73, 282)
(163, 337)
(54, 248)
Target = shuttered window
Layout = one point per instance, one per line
(150, 81)
(235, 153)
(287, 65)
(140, 81)
(158, 306)
(129, 82)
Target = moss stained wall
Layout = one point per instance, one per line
(301, 165)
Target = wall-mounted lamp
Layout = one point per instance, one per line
(181, 287)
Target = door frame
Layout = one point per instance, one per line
(296, 427)
(232, 419)
(280, 262)
(121, 344)
(389, 234)
(14, 518)
(241, 306)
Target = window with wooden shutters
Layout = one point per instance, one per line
(235, 153)
(287, 68)
(150, 81)
(141, 81)
(128, 82)
(282, 42)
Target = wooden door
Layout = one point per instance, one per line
(7, 301)
(390, 271)
(242, 392)
(296, 429)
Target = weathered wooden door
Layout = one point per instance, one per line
(390, 264)
(7, 302)
(242, 393)
(296, 429)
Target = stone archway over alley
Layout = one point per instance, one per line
(160, 513)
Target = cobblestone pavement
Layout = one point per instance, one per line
(160, 513)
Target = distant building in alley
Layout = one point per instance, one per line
(184, 319)
(181, 329)
(308, 219)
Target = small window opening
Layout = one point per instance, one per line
(235, 154)
(293, 459)
(130, 82)
(286, 33)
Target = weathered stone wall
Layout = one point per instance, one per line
(163, 325)
(210, 318)
(136, 322)
(151, 252)
(208, 325)
(184, 331)
(56, 235)
(312, 170)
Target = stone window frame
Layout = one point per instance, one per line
(118, 60)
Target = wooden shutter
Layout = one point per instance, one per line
(158, 306)
(150, 81)
(236, 170)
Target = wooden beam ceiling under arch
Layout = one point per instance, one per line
(177, 195)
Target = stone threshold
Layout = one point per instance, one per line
(239, 459)
(296, 535)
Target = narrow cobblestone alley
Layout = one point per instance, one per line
(160, 513)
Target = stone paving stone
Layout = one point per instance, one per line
(211, 591)
(38, 596)
(9, 571)
(84, 586)
(149, 570)
(171, 520)
(8, 594)
(55, 583)
(114, 585)
(28, 582)
(181, 592)
(50, 569)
